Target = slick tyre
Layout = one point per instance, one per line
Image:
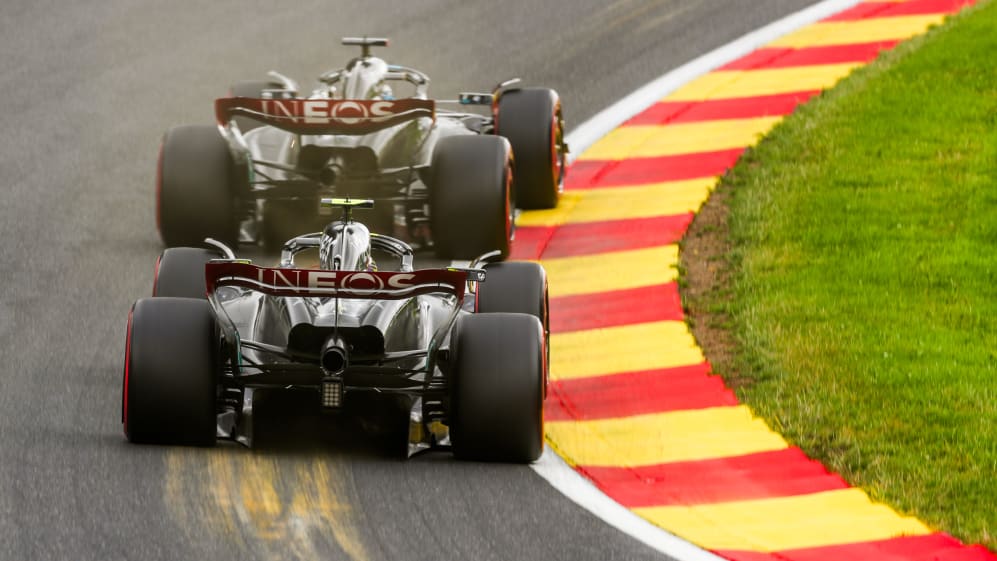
(531, 119)
(180, 272)
(496, 395)
(197, 187)
(516, 287)
(471, 199)
(169, 374)
(253, 89)
(513, 286)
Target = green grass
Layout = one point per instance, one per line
(863, 295)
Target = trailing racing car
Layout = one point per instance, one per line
(468, 373)
(442, 177)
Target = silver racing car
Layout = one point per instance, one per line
(218, 333)
(445, 174)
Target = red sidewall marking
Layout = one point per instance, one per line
(128, 361)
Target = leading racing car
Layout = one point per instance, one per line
(445, 178)
(219, 332)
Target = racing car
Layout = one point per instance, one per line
(449, 178)
(219, 332)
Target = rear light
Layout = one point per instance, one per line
(332, 394)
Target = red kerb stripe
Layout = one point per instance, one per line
(636, 393)
(809, 56)
(932, 547)
(571, 240)
(868, 10)
(673, 112)
(616, 235)
(531, 241)
(780, 473)
(619, 307)
(588, 174)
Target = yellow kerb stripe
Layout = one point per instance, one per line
(814, 520)
(677, 436)
(623, 203)
(617, 270)
(862, 31)
(749, 83)
(626, 348)
(652, 141)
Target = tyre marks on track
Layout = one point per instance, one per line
(633, 404)
(273, 506)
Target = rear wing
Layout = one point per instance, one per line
(325, 116)
(342, 284)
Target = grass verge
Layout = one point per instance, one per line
(850, 278)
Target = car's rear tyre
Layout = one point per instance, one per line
(471, 199)
(496, 388)
(180, 272)
(197, 187)
(169, 385)
(284, 219)
(531, 119)
(516, 287)
(253, 89)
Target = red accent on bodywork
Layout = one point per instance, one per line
(324, 116)
(344, 284)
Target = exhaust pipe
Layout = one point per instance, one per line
(334, 357)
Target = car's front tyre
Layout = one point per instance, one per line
(516, 287)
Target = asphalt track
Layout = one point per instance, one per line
(88, 90)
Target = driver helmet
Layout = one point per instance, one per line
(346, 247)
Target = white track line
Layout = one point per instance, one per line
(573, 485)
(585, 134)
(550, 466)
